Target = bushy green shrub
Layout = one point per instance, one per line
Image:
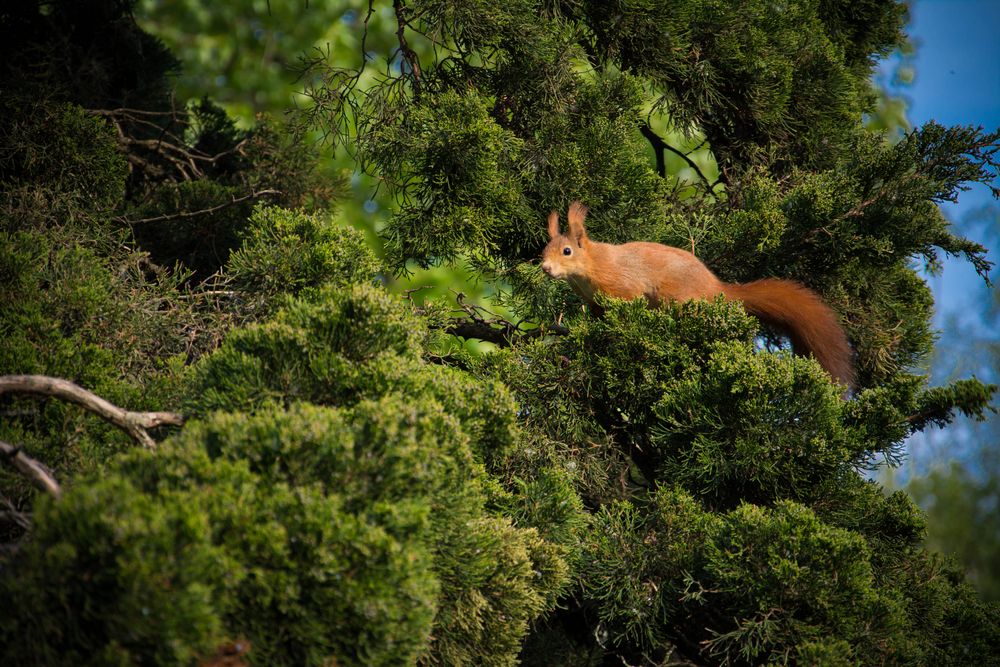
(174, 553)
(340, 346)
(116, 576)
(360, 348)
(314, 533)
(294, 252)
(752, 427)
(770, 585)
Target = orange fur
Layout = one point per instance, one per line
(661, 273)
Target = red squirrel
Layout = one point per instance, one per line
(662, 273)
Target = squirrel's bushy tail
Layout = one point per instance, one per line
(799, 312)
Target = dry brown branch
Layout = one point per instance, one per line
(187, 162)
(133, 423)
(202, 211)
(30, 468)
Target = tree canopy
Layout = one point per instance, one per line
(352, 486)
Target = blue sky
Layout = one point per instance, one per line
(957, 83)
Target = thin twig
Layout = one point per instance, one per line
(124, 111)
(364, 36)
(133, 423)
(409, 55)
(659, 145)
(30, 468)
(204, 211)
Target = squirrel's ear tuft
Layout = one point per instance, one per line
(577, 215)
(553, 224)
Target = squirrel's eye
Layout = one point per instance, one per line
(567, 250)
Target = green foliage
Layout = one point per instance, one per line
(757, 585)
(655, 486)
(136, 571)
(313, 533)
(465, 161)
(61, 164)
(763, 80)
(293, 252)
(207, 540)
(346, 574)
(346, 347)
(687, 401)
(340, 346)
(750, 427)
(679, 396)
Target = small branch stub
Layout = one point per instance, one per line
(30, 468)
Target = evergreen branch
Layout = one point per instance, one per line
(500, 332)
(332, 98)
(30, 468)
(203, 211)
(939, 404)
(495, 329)
(133, 423)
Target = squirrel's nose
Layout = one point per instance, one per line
(547, 268)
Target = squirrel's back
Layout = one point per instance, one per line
(662, 273)
(653, 270)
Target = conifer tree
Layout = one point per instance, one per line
(646, 487)
(697, 453)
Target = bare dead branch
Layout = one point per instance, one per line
(30, 468)
(203, 211)
(187, 162)
(133, 423)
